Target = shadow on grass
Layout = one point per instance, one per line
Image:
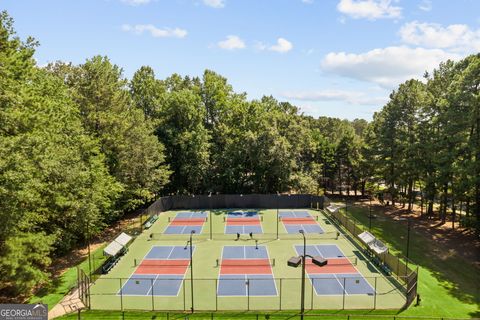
(453, 272)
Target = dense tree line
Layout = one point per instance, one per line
(80, 145)
(426, 140)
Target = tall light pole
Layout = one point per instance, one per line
(370, 213)
(278, 199)
(296, 261)
(408, 239)
(409, 226)
(189, 242)
(210, 203)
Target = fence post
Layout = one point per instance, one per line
(343, 303)
(398, 266)
(121, 294)
(78, 314)
(375, 295)
(153, 302)
(248, 294)
(216, 294)
(280, 307)
(88, 291)
(311, 298)
(183, 285)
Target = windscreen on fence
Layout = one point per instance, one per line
(225, 201)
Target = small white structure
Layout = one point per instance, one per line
(334, 207)
(118, 245)
(373, 243)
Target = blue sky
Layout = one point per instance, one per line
(336, 58)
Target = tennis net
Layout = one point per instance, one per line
(245, 262)
(298, 220)
(333, 235)
(160, 262)
(340, 261)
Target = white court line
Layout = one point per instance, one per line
(152, 283)
(341, 285)
(169, 254)
(354, 267)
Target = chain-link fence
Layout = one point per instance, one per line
(126, 315)
(404, 271)
(259, 293)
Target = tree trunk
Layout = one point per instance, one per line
(453, 213)
(421, 202)
(410, 195)
(430, 208)
(443, 212)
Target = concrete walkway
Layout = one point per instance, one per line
(70, 303)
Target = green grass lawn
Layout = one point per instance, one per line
(60, 286)
(277, 315)
(448, 286)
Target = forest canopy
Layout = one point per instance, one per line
(81, 145)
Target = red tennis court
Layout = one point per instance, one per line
(243, 223)
(161, 266)
(245, 266)
(335, 265)
(298, 220)
(185, 222)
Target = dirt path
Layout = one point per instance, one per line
(76, 256)
(452, 240)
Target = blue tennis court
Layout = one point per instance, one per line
(324, 250)
(186, 222)
(248, 284)
(160, 273)
(243, 222)
(335, 281)
(335, 284)
(294, 221)
(244, 252)
(242, 214)
(183, 229)
(254, 277)
(168, 253)
(243, 229)
(294, 214)
(190, 215)
(307, 228)
(157, 285)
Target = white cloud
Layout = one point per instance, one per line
(232, 43)
(282, 46)
(351, 97)
(425, 5)
(369, 9)
(154, 31)
(214, 3)
(455, 37)
(307, 1)
(136, 2)
(386, 67)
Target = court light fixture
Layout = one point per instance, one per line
(301, 260)
(294, 262)
(319, 261)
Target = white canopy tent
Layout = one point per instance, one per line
(117, 245)
(373, 243)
